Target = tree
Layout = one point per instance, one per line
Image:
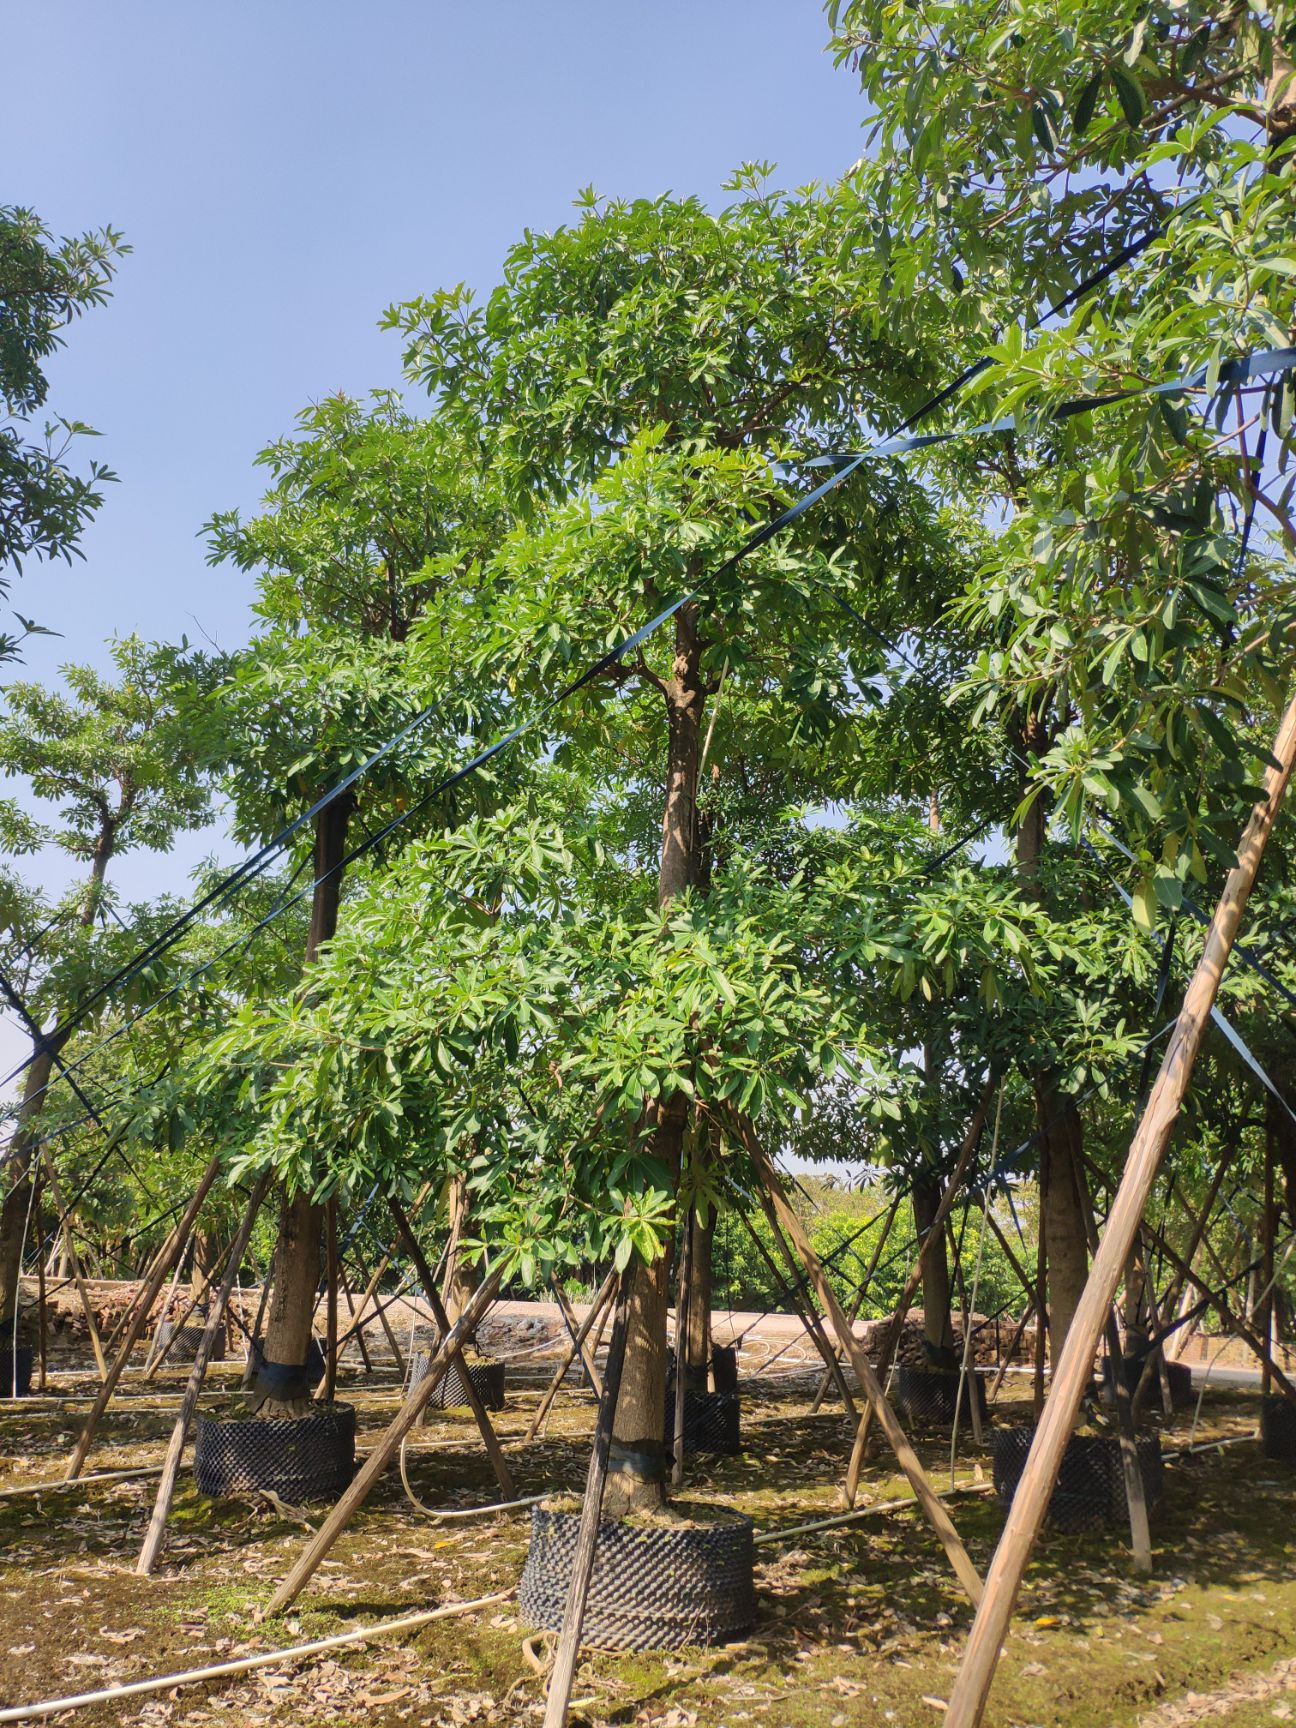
(373, 519)
(113, 756)
(1121, 632)
(45, 283)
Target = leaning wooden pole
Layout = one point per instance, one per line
(87, 1307)
(564, 1668)
(860, 1296)
(597, 1307)
(494, 1451)
(895, 1330)
(385, 1450)
(1071, 1376)
(162, 1265)
(870, 1385)
(152, 1545)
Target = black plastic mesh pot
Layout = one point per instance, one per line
(1278, 1429)
(724, 1368)
(1090, 1491)
(711, 1421)
(187, 1340)
(7, 1380)
(299, 1458)
(1180, 1374)
(653, 1587)
(487, 1377)
(927, 1396)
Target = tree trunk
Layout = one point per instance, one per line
(461, 1276)
(636, 1478)
(206, 1258)
(295, 1269)
(938, 1329)
(13, 1213)
(1067, 1265)
(1136, 1331)
(697, 1331)
(1060, 1135)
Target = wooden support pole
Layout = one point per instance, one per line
(1135, 1497)
(503, 1475)
(895, 1330)
(1071, 1373)
(598, 1306)
(906, 1457)
(41, 1319)
(1041, 1310)
(389, 1444)
(151, 1362)
(1267, 1270)
(152, 1545)
(564, 1668)
(576, 1335)
(359, 1336)
(860, 1296)
(800, 1303)
(96, 1343)
(330, 1320)
(1018, 1329)
(163, 1265)
(681, 1350)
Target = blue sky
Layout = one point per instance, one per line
(284, 172)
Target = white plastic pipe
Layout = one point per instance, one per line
(245, 1664)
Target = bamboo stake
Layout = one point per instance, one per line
(41, 1324)
(893, 1333)
(576, 1335)
(1020, 1327)
(360, 1337)
(564, 1668)
(800, 1306)
(96, 1342)
(859, 1298)
(151, 1355)
(247, 1664)
(681, 1351)
(153, 1536)
(382, 1454)
(906, 1457)
(179, 1236)
(1135, 1498)
(1071, 1373)
(503, 1475)
(330, 1321)
(598, 1306)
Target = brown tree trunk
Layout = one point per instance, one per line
(295, 1269)
(938, 1329)
(1135, 1282)
(13, 1213)
(1060, 1134)
(636, 1478)
(1067, 1269)
(697, 1331)
(461, 1276)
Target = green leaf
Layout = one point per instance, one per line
(1129, 93)
(1083, 112)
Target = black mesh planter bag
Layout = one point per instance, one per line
(487, 1377)
(724, 1368)
(299, 1458)
(7, 1377)
(653, 1587)
(926, 1397)
(1278, 1429)
(1179, 1373)
(711, 1421)
(1090, 1491)
(187, 1339)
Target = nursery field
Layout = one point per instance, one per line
(859, 1624)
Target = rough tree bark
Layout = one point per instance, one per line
(295, 1268)
(1057, 1119)
(636, 1478)
(13, 1211)
(461, 1276)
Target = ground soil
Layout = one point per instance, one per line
(860, 1625)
